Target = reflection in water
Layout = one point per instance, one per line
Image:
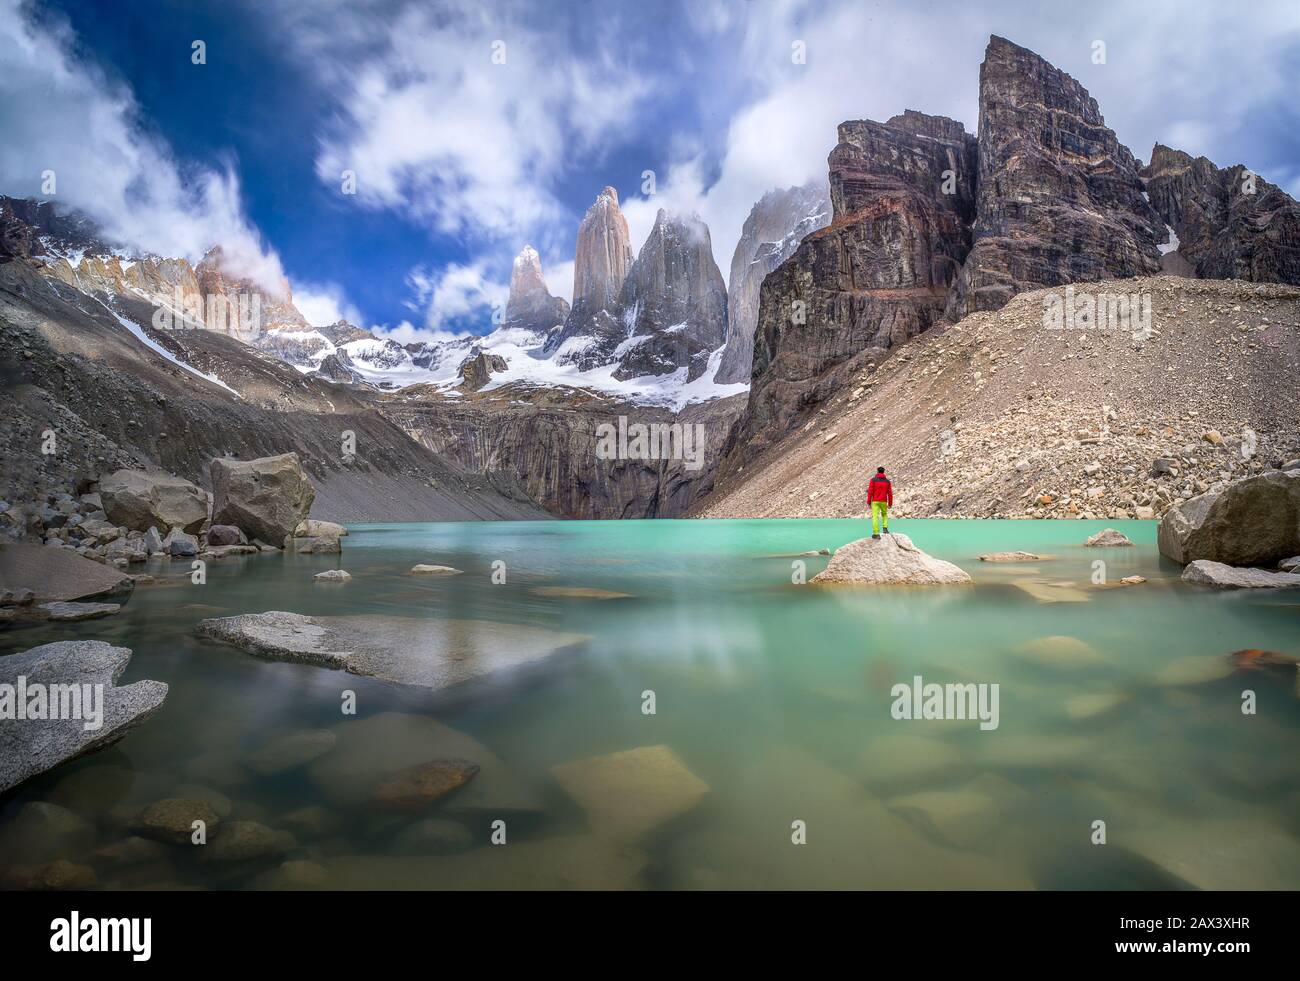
(1118, 704)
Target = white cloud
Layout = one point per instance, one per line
(465, 118)
(456, 295)
(61, 114)
(324, 304)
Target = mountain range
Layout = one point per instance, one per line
(149, 360)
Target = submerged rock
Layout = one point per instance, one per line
(1217, 855)
(419, 786)
(961, 818)
(32, 746)
(1010, 557)
(1060, 651)
(172, 820)
(373, 751)
(578, 592)
(55, 876)
(294, 750)
(1108, 538)
(1255, 521)
(429, 653)
(1228, 577)
(900, 758)
(239, 841)
(892, 559)
(630, 794)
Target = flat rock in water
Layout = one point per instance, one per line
(32, 746)
(1217, 574)
(890, 560)
(428, 653)
(59, 574)
(333, 575)
(627, 795)
(370, 752)
(578, 592)
(1108, 538)
(1010, 557)
(73, 612)
(419, 786)
(434, 570)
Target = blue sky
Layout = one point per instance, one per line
(461, 160)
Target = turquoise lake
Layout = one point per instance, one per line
(1117, 704)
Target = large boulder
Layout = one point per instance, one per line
(141, 500)
(30, 746)
(892, 559)
(1255, 521)
(267, 498)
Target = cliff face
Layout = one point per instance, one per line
(673, 303)
(542, 444)
(776, 225)
(1229, 225)
(1059, 197)
(877, 275)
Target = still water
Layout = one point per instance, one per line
(775, 696)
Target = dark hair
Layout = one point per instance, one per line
(880, 469)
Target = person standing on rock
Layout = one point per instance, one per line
(880, 497)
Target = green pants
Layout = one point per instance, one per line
(879, 513)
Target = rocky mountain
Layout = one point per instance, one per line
(673, 304)
(1228, 223)
(92, 386)
(530, 305)
(931, 224)
(994, 416)
(600, 264)
(777, 223)
(876, 276)
(1059, 197)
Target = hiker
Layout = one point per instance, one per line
(880, 495)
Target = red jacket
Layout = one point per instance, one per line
(880, 489)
